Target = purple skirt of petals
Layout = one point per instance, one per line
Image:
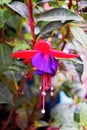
(45, 63)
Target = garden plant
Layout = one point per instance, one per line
(43, 52)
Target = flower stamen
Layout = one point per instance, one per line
(43, 104)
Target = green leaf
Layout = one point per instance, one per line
(14, 22)
(15, 68)
(28, 36)
(5, 95)
(51, 26)
(59, 14)
(76, 61)
(67, 86)
(14, 75)
(58, 114)
(21, 46)
(40, 123)
(44, 1)
(19, 7)
(70, 126)
(22, 119)
(84, 15)
(4, 1)
(79, 35)
(8, 83)
(4, 15)
(77, 115)
(5, 57)
(83, 114)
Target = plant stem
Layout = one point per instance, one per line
(70, 4)
(5, 124)
(64, 37)
(31, 117)
(31, 21)
(77, 6)
(1, 35)
(19, 92)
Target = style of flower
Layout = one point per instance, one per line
(43, 58)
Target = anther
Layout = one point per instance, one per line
(51, 88)
(51, 94)
(40, 87)
(42, 111)
(43, 93)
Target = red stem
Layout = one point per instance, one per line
(31, 20)
(77, 6)
(63, 46)
(19, 92)
(31, 117)
(1, 35)
(64, 37)
(70, 4)
(5, 123)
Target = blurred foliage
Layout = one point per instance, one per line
(65, 27)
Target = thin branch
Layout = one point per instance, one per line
(70, 4)
(64, 37)
(31, 21)
(77, 6)
(31, 117)
(1, 35)
(19, 92)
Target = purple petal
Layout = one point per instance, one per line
(39, 72)
(54, 64)
(45, 63)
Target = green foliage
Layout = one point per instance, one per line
(14, 22)
(67, 86)
(5, 95)
(5, 54)
(79, 35)
(80, 114)
(21, 46)
(4, 15)
(22, 119)
(19, 8)
(77, 115)
(53, 21)
(59, 14)
(71, 126)
(4, 1)
(83, 114)
(52, 26)
(10, 83)
(40, 124)
(61, 114)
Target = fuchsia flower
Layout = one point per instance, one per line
(43, 58)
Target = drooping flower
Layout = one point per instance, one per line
(43, 58)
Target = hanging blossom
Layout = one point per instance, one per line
(43, 58)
